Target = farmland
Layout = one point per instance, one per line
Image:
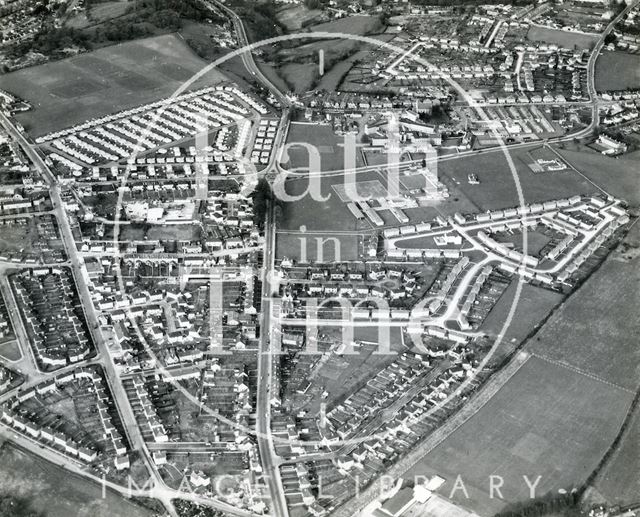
(105, 81)
(43, 483)
(533, 305)
(586, 333)
(619, 482)
(539, 424)
(617, 71)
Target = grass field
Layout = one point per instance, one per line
(292, 247)
(497, 188)
(596, 329)
(57, 493)
(561, 38)
(103, 81)
(619, 482)
(541, 423)
(617, 71)
(533, 305)
(293, 17)
(10, 350)
(617, 176)
(322, 137)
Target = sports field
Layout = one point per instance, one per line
(296, 246)
(315, 214)
(57, 493)
(108, 80)
(617, 71)
(561, 38)
(618, 176)
(547, 421)
(321, 137)
(497, 188)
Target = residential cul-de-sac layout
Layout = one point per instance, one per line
(295, 259)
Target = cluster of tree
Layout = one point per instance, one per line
(184, 9)
(261, 19)
(189, 509)
(49, 41)
(314, 4)
(262, 199)
(567, 505)
(143, 18)
(12, 506)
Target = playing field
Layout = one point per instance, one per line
(547, 421)
(618, 176)
(498, 186)
(323, 139)
(617, 71)
(57, 493)
(111, 79)
(318, 247)
(326, 211)
(365, 189)
(561, 38)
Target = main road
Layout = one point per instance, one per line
(268, 457)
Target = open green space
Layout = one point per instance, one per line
(298, 64)
(596, 329)
(533, 305)
(565, 39)
(619, 482)
(547, 421)
(104, 81)
(617, 71)
(329, 145)
(294, 246)
(497, 188)
(10, 350)
(57, 493)
(618, 176)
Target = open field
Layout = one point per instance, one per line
(292, 247)
(300, 63)
(497, 188)
(541, 423)
(561, 38)
(534, 304)
(105, 81)
(10, 350)
(617, 71)
(299, 77)
(597, 327)
(57, 493)
(293, 17)
(342, 375)
(619, 482)
(618, 176)
(321, 136)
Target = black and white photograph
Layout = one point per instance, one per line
(319, 258)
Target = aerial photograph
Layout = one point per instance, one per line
(319, 258)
